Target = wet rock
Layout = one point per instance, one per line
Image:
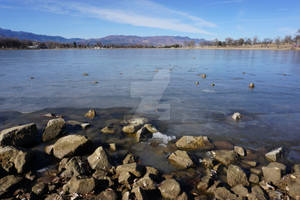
(254, 178)
(151, 171)
(150, 128)
(12, 159)
(76, 166)
(129, 158)
(108, 194)
(91, 114)
(213, 85)
(98, 160)
(129, 129)
(139, 193)
(143, 134)
(170, 189)
(39, 188)
(20, 136)
(54, 197)
(112, 147)
(235, 176)
(251, 85)
(197, 82)
(49, 149)
(85, 125)
(236, 116)
(222, 193)
(70, 145)
(274, 155)
(180, 159)
(137, 121)
(108, 130)
(146, 183)
(203, 76)
(240, 190)
(272, 174)
(225, 157)
(79, 185)
(8, 182)
(85, 74)
(194, 143)
(131, 167)
(240, 151)
(54, 129)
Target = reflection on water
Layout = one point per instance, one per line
(271, 110)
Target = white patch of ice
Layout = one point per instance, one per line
(162, 137)
(208, 91)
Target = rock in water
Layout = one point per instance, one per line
(203, 75)
(251, 85)
(170, 189)
(23, 136)
(143, 134)
(133, 168)
(225, 157)
(235, 176)
(7, 182)
(129, 129)
(70, 145)
(13, 159)
(79, 185)
(274, 155)
(240, 151)
(194, 143)
(98, 160)
(222, 193)
(54, 128)
(236, 116)
(180, 159)
(91, 114)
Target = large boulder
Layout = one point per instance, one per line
(22, 136)
(98, 160)
(194, 143)
(12, 159)
(170, 189)
(8, 182)
(235, 176)
(225, 157)
(54, 128)
(70, 145)
(79, 185)
(180, 159)
(273, 172)
(133, 168)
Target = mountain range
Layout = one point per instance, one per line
(108, 40)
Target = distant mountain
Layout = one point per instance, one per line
(122, 40)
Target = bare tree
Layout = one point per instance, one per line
(277, 42)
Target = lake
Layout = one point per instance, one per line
(162, 83)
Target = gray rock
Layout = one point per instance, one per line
(80, 186)
(296, 169)
(204, 183)
(129, 129)
(8, 182)
(235, 176)
(256, 193)
(240, 190)
(108, 130)
(180, 159)
(98, 160)
(54, 129)
(170, 189)
(20, 136)
(39, 188)
(76, 166)
(131, 167)
(274, 155)
(254, 178)
(129, 158)
(70, 145)
(226, 157)
(222, 193)
(108, 194)
(272, 174)
(146, 183)
(139, 193)
(194, 143)
(240, 151)
(13, 159)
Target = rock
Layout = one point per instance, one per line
(20, 136)
(98, 160)
(100, 174)
(197, 82)
(180, 159)
(281, 166)
(251, 85)
(266, 186)
(204, 183)
(225, 157)
(254, 178)
(126, 196)
(194, 143)
(240, 190)
(129, 158)
(235, 176)
(240, 151)
(125, 178)
(80, 186)
(249, 162)
(256, 171)
(129, 129)
(150, 128)
(49, 149)
(30, 176)
(213, 187)
(112, 147)
(236, 116)
(276, 195)
(91, 114)
(256, 193)
(85, 74)
(132, 168)
(108, 194)
(169, 189)
(70, 145)
(151, 171)
(139, 193)
(8, 182)
(183, 196)
(296, 169)
(143, 134)
(85, 125)
(274, 155)
(76, 166)
(272, 174)
(213, 85)
(207, 162)
(12, 159)
(203, 75)
(39, 188)
(222, 193)
(54, 197)
(146, 183)
(137, 121)
(108, 130)
(49, 115)
(292, 185)
(54, 129)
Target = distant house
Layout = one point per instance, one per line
(33, 47)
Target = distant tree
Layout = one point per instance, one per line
(216, 42)
(240, 42)
(74, 44)
(248, 41)
(255, 40)
(297, 38)
(229, 41)
(277, 42)
(288, 39)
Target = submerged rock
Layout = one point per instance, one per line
(129, 129)
(8, 182)
(225, 157)
(170, 189)
(91, 114)
(70, 145)
(274, 155)
(180, 159)
(194, 143)
(79, 185)
(54, 128)
(235, 176)
(108, 130)
(98, 160)
(22, 136)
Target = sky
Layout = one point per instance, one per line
(208, 19)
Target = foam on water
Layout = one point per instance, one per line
(162, 137)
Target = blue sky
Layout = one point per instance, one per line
(207, 19)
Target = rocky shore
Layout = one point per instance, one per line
(80, 169)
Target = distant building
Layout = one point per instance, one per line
(33, 47)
